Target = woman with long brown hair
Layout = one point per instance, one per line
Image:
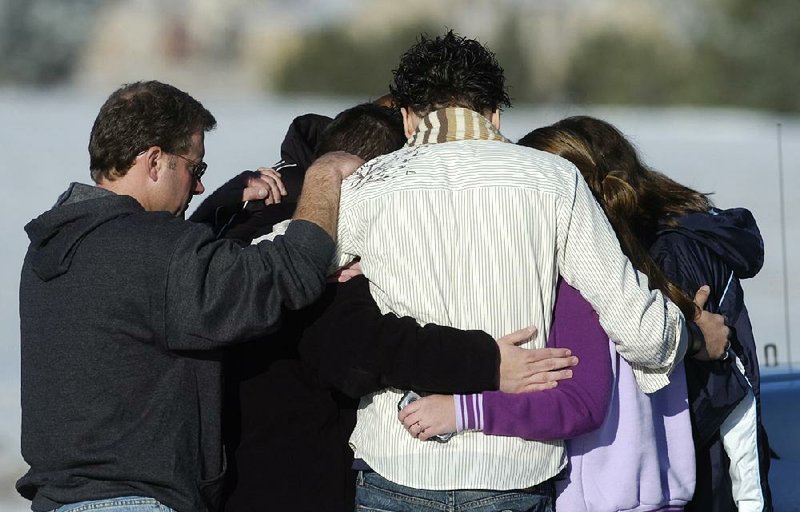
(675, 236)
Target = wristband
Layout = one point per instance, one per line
(696, 339)
(469, 412)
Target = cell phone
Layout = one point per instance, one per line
(412, 396)
(408, 397)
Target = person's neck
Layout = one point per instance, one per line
(124, 186)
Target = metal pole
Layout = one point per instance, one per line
(783, 248)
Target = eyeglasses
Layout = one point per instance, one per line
(197, 169)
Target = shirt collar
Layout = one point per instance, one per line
(454, 123)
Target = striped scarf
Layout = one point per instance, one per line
(454, 123)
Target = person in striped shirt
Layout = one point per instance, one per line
(462, 228)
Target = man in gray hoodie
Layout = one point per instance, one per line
(124, 307)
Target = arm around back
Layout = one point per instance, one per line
(578, 405)
(359, 350)
(648, 329)
(319, 200)
(219, 293)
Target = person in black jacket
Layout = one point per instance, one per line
(124, 307)
(245, 221)
(291, 400)
(684, 243)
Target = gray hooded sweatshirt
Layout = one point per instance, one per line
(122, 315)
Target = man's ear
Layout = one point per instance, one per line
(151, 159)
(495, 118)
(410, 121)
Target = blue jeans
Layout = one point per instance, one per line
(375, 493)
(122, 504)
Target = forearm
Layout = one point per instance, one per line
(648, 329)
(319, 200)
(444, 360)
(578, 405)
(559, 413)
(359, 350)
(219, 293)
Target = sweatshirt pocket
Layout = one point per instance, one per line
(211, 491)
(211, 488)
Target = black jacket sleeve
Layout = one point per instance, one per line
(225, 213)
(218, 207)
(358, 350)
(228, 217)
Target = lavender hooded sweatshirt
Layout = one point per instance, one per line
(641, 458)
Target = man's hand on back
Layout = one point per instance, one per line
(319, 201)
(524, 370)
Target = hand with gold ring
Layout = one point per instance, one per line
(436, 412)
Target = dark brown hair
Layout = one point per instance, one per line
(367, 130)
(635, 198)
(140, 115)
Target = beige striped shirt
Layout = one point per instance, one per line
(462, 228)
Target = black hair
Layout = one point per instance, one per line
(449, 71)
(140, 115)
(366, 130)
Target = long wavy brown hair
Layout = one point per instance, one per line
(635, 198)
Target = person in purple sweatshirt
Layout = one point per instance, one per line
(616, 434)
(642, 455)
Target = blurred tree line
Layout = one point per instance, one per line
(332, 61)
(738, 53)
(742, 53)
(731, 52)
(41, 40)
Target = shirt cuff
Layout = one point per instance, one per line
(469, 412)
(651, 380)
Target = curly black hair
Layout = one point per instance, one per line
(140, 115)
(449, 71)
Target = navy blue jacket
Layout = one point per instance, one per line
(717, 248)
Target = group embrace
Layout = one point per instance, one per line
(407, 312)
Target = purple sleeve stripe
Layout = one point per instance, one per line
(478, 405)
(469, 412)
(458, 400)
(464, 412)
